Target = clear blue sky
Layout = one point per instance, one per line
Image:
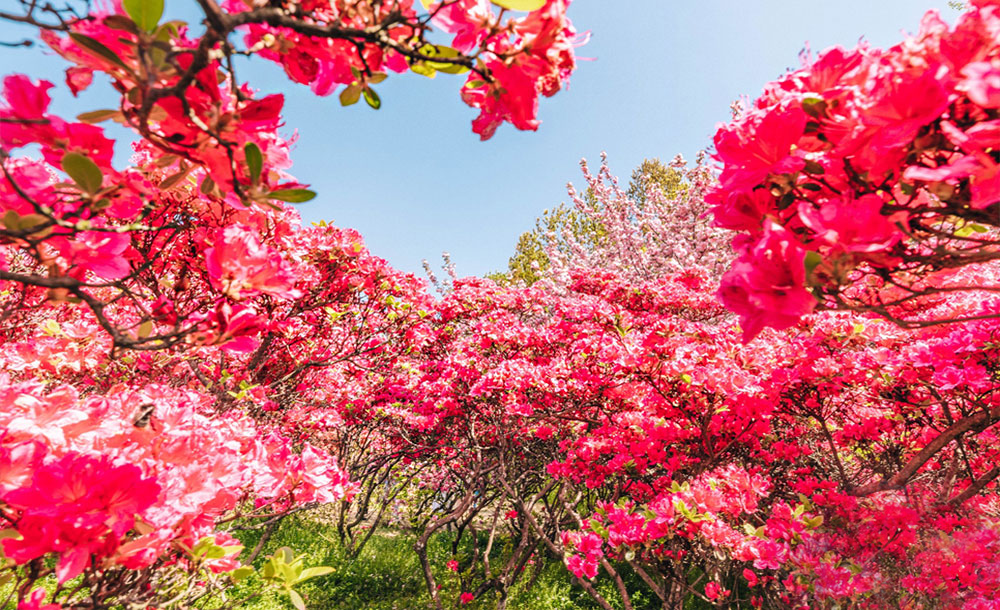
(415, 180)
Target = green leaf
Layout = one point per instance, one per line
(969, 229)
(232, 549)
(292, 195)
(814, 107)
(296, 600)
(10, 533)
(165, 160)
(255, 161)
(11, 220)
(313, 573)
(96, 116)
(97, 48)
(599, 529)
(202, 546)
(372, 98)
(812, 260)
(171, 181)
(120, 22)
(83, 171)
(350, 95)
(241, 573)
(207, 185)
(520, 5)
(813, 522)
(145, 329)
(145, 13)
(214, 552)
(436, 50)
(423, 70)
(31, 222)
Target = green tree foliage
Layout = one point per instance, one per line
(653, 173)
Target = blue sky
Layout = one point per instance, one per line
(415, 180)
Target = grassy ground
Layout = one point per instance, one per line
(387, 575)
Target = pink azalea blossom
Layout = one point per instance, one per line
(766, 285)
(240, 266)
(982, 83)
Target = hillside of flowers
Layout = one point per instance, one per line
(776, 385)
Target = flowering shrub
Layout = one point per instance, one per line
(866, 179)
(180, 354)
(159, 321)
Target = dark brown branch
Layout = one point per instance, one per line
(974, 423)
(977, 486)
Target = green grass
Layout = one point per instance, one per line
(387, 575)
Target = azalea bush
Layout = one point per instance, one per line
(867, 179)
(183, 361)
(158, 318)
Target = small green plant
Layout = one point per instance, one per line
(287, 570)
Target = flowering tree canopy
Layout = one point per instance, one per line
(657, 226)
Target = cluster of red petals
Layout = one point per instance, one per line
(857, 166)
(525, 57)
(83, 483)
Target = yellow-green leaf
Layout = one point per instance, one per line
(145, 13)
(314, 572)
(97, 48)
(83, 171)
(441, 51)
(292, 195)
(350, 95)
(372, 98)
(241, 573)
(255, 161)
(96, 116)
(424, 70)
(520, 5)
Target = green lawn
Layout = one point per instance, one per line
(387, 574)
